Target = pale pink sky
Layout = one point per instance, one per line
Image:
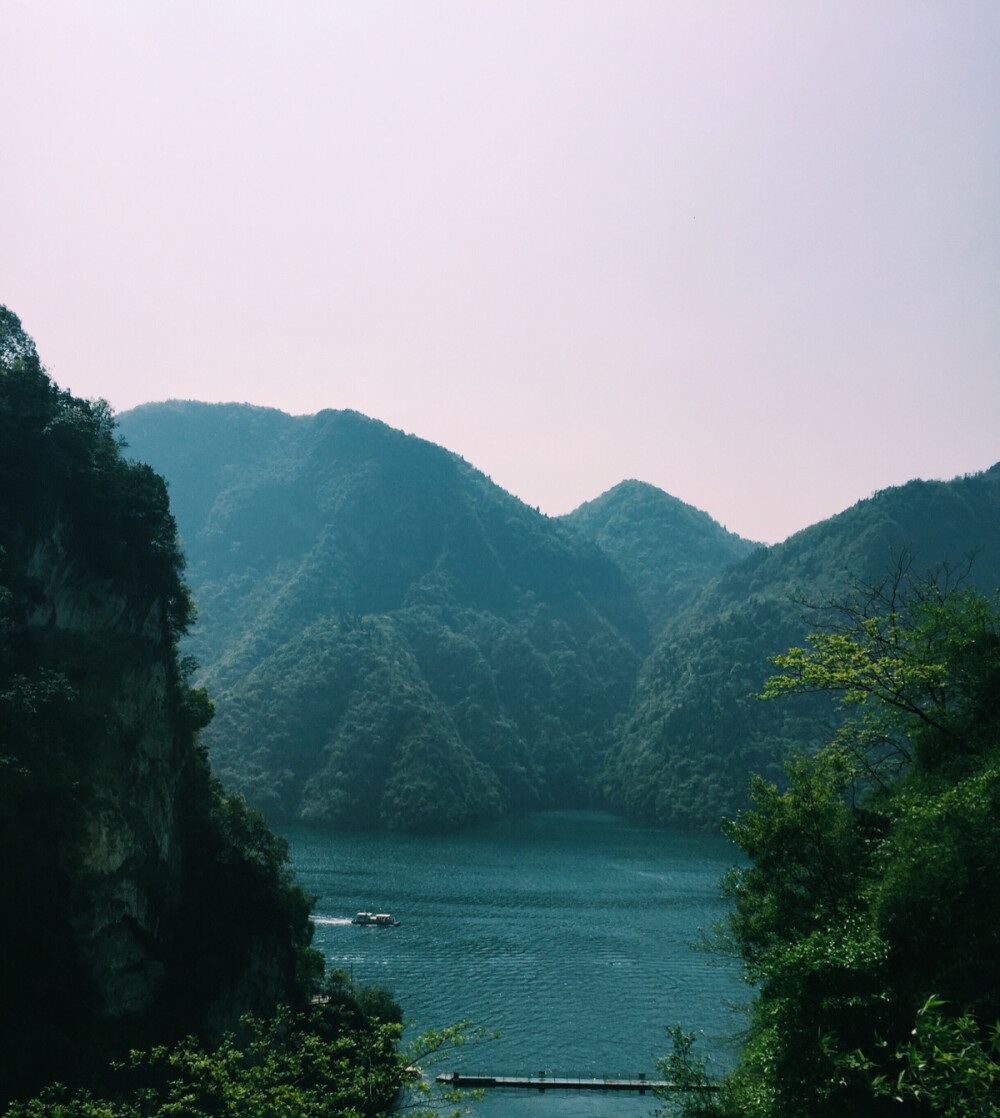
(746, 251)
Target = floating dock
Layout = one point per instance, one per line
(553, 1083)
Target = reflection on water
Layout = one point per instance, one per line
(573, 934)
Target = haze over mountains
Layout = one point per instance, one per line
(392, 640)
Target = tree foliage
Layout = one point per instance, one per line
(331, 1060)
(139, 903)
(694, 731)
(83, 534)
(867, 916)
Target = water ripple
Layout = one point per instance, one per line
(571, 934)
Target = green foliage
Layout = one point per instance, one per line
(285, 1066)
(60, 462)
(805, 854)
(867, 916)
(921, 661)
(323, 1062)
(694, 731)
(948, 1067)
(390, 639)
(691, 1091)
(138, 902)
(422, 1094)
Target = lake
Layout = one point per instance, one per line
(572, 934)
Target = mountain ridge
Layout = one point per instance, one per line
(695, 730)
(375, 613)
(403, 556)
(664, 545)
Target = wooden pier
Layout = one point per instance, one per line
(553, 1083)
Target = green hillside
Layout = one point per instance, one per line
(668, 549)
(695, 730)
(390, 639)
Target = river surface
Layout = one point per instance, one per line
(572, 934)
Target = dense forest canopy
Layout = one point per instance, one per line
(694, 731)
(392, 640)
(667, 549)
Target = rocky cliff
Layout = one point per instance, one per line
(137, 902)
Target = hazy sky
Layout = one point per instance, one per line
(746, 251)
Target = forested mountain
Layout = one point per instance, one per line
(390, 639)
(668, 549)
(138, 904)
(695, 730)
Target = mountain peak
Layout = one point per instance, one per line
(668, 549)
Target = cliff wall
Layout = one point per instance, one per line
(138, 902)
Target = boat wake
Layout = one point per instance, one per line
(331, 920)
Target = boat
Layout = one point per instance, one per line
(375, 920)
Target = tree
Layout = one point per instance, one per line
(329, 1061)
(919, 659)
(868, 916)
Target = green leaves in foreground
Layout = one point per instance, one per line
(948, 1067)
(291, 1066)
(284, 1066)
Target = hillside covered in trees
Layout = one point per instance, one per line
(139, 905)
(667, 549)
(390, 638)
(695, 730)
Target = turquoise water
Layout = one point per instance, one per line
(572, 934)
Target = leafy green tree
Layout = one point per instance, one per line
(326, 1062)
(948, 1067)
(918, 660)
(868, 915)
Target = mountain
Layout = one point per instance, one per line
(138, 904)
(668, 549)
(390, 638)
(695, 730)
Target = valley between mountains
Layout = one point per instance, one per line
(393, 641)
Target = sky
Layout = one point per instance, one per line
(746, 251)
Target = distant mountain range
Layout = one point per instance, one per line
(695, 727)
(392, 640)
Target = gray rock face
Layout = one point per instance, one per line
(137, 903)
(129, 848)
